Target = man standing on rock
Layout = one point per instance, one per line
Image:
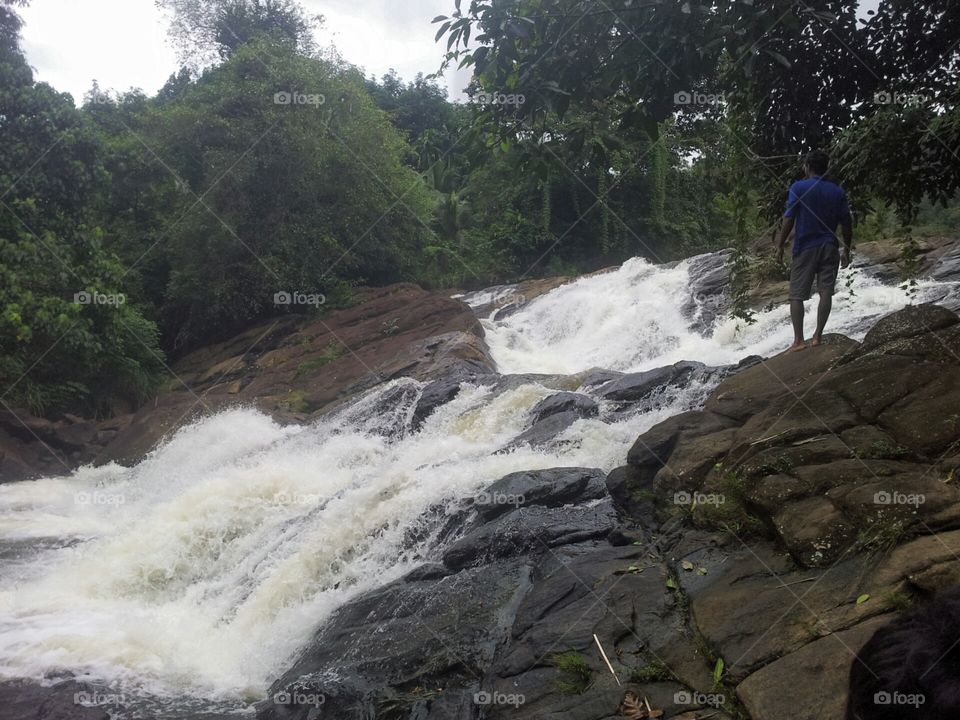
(814, 208)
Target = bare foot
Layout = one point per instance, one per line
(814, 341)
(801, 345)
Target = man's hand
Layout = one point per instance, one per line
(844, 257)
(780, 254)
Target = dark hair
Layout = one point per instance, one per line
(818, 161)
(910, 668)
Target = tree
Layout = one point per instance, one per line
(204, 31)
(273, 172)
(71, 336)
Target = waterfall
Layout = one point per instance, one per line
(202, 570)
(640, 316)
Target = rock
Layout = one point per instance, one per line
(437, 393)
(530, 529)
(31, 446)
(550, 488)
(753, 389)
(66, 700)
(634, 387)
(810, 684)
(947, 268)
(709, 280)
(597, 376)
(427, 633)
(814, 531)
(298, 367)
(632, 493)
(544, 431)
(582, 405)
(913, 320)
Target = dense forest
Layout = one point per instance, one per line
(270, 175)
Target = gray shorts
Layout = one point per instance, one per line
(821, 262)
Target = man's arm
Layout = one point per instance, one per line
(847, 227)
(789, 220)
(787, 228)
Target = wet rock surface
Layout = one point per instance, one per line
(776, 529)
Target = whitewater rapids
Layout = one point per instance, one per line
(201, 571)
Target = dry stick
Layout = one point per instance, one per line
(606, 660)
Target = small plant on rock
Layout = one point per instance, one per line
(576, 673)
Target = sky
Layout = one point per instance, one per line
(122, 44)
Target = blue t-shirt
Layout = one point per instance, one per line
(818, 206)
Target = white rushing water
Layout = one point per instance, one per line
(203, 569)
(632, 319)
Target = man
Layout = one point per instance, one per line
(910, 668)
(814, 208)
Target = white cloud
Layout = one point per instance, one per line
(123, 43)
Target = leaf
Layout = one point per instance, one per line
(438, 18)
(636, 708)
(863, 598)
(718, 671)
(631, 707)
(687, 565)
(441, 31)
(701, 571)
(671, 584)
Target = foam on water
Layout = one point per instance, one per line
(633, 319)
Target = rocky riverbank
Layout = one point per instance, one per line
(294, 368)
(731, 569)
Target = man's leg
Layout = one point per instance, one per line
(802, 271)
(823, 313)
(828, 267)
(796, 315)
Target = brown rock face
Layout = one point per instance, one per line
(831, 485)
(292, 367)
(297, 367)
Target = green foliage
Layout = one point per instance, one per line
(733, 515)
(71, 336)
(654, 671)
(576, 674)
(205, 30)
(331, 352)
(283, 177)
